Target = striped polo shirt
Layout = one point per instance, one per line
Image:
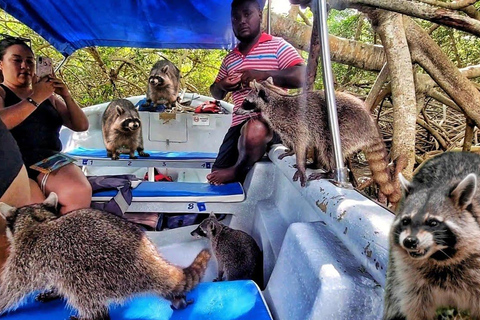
(269, 53)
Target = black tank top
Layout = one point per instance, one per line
(38, 136)
(10, 158)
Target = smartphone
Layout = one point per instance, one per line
(43, 67)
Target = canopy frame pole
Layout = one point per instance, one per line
(320, 15)
(269, 17)
(65, 58)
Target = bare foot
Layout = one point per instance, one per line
(222, 176)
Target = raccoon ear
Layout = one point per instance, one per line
(212, 215)
(51, 201)
(406, 185)
(462, 195)
(269, 80)
(119, 109)
(165, 69)
(253, 84)
(212, 228)
(6, 210)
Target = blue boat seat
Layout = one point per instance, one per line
(171, 159)
(228, 300)
(148, 191)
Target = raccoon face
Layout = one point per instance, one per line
(423, 235)
(131, 124)
(207, 228)
(437, 222)
(28, 216)
(156, 81)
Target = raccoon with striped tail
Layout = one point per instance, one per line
(91, 258)
(434, 256)
(358, 130)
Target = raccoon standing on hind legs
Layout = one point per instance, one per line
(300, 128)
(434, 256)
(122, 130)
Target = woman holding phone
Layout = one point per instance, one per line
(34, 116)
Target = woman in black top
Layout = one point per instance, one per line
(34, 116)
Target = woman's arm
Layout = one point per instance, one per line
(72, 115)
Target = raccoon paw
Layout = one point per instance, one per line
(116, 157)
(286, 154)
(143, 154)
(47, 296)
(180, 302)
(302, 177)
(133, 157)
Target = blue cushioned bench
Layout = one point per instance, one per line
(98, 157)
(164, 191)
(240, 300)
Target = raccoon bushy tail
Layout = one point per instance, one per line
(194, 273)
(376, 154)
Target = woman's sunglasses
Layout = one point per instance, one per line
(7, 37)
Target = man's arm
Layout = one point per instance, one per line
(292, 77)
(220, 88)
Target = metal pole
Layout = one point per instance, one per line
(269, 11)
(340, 172)
(61, 63)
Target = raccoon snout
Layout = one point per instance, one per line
(410, 242)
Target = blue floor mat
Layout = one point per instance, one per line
(240, 300)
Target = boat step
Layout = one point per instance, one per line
(226, 300)
(191, 192)
(315, 266)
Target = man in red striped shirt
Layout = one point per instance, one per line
(257, 56)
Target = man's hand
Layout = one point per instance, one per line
(230, 83)
(252, 74)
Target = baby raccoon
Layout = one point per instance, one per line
(163, 84)
(91, 258)
(434, 241)
(238, 255)
(122, 130)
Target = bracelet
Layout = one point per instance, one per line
(32, 101)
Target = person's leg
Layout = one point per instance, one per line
(36, 195)
(71, 186)
(252, 143)
(17, 195)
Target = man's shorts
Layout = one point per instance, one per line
(228, 152)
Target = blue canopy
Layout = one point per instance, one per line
(69, 25)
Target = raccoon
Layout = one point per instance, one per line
(358, 130)
(163, 84)
(122, 130)
(237, 253)
(434, 258)
(91, 258)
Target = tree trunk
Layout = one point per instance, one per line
(390, 28)
(428, 54)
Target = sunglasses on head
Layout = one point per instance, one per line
(7, 37)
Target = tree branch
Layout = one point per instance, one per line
(416, 9)
(454, 5)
